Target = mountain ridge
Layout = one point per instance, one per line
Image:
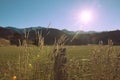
(51, 34)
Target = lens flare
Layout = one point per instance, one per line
(86, 16)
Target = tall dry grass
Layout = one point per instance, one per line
(103, 63)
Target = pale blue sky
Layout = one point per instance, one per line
(60, 13)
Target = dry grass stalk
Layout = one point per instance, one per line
(39, 41)
(105, 63)
(60, 59)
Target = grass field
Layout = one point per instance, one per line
(12, 52)
(34, 63)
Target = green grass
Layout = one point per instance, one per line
(12, 52)
(9, 56)
(37, 59)
(79, 51)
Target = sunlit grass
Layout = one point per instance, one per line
(39, 63)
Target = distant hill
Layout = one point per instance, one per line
(6, 33)
(14, 34)
(20, 31)
(80, 32)
(51, 34)
(68, 32)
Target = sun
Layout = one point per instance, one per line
(86, 16)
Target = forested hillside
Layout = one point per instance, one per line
(14, 35)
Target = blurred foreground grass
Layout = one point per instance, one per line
(35, 63)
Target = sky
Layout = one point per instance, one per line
(61, 14)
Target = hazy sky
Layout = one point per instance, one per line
(61, 14)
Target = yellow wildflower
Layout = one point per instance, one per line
(38, 55)
(14, 77)
(30, 65)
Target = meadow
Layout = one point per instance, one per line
(86, 62)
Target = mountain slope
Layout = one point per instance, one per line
(50, 35)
